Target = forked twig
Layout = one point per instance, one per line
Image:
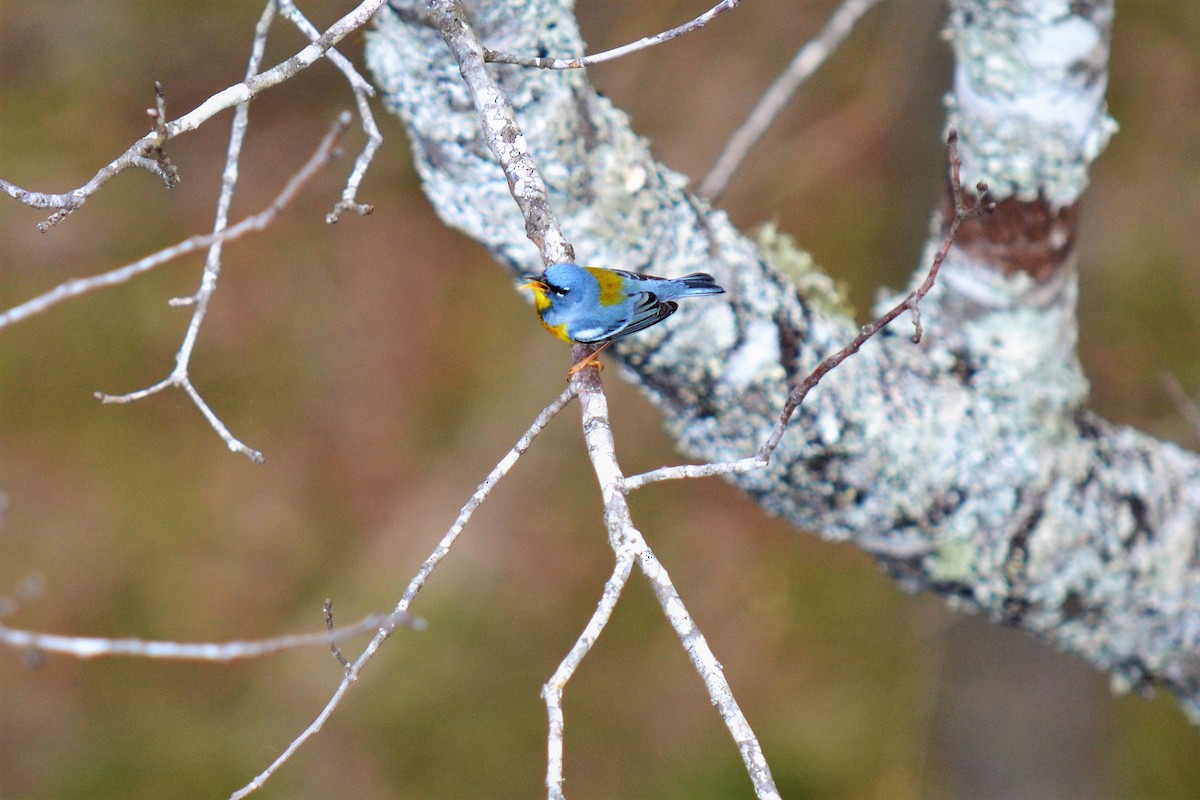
(363, 91)
(627, 541)
(616, 52)
(163, 131)
(324, 154)
(414, 587)
(212, 264)
(137, 153)
(180, 376)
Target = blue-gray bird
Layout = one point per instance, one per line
(594, 305)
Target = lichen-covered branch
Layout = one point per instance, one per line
(969, 464)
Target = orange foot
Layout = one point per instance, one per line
(592, 359)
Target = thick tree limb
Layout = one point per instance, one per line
(967, 465)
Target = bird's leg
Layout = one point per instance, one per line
(592, 359)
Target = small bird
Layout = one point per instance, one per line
(595, 305)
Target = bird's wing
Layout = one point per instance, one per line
(648, 310)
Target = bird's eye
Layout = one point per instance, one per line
(558, 290)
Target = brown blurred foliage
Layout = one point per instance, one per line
(384, 364)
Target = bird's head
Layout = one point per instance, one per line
(545, 290)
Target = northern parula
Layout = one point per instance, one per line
(595, 305)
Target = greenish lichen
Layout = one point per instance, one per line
(954, 561)
(819, 290)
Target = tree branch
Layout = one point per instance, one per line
(968, 464)
(88, 647)
(363, 91)
(400, 612)
(616, 52)
(152, 143)
(627, 541)
(501, 131)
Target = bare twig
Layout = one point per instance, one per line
(552, 692)
(180, 376)
(1184, 404)
(212, 265)
(88, 647)
(626, 539)
(363, 91)
(806, 62)
(254, 223)
(964, 209)
(414, 587)
(608, 55)
(136, 155)
(153, 144)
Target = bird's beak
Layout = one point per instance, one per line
(533, 283)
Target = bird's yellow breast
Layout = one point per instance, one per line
(558, 330)
(541, 300)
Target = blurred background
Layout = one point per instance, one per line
(384, 365)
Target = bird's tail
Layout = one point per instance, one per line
(699, 283)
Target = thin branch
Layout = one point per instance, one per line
(212, 265)
(414, 587)
(609, 55)
(363, 91)
(88, 647)
(964, 209)
(180, 376)
(806, 62)
(75, 287)
(552, 692)
(136, 155)
(1184, 404)
(625, 538)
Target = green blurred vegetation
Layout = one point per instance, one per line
(383, 365)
